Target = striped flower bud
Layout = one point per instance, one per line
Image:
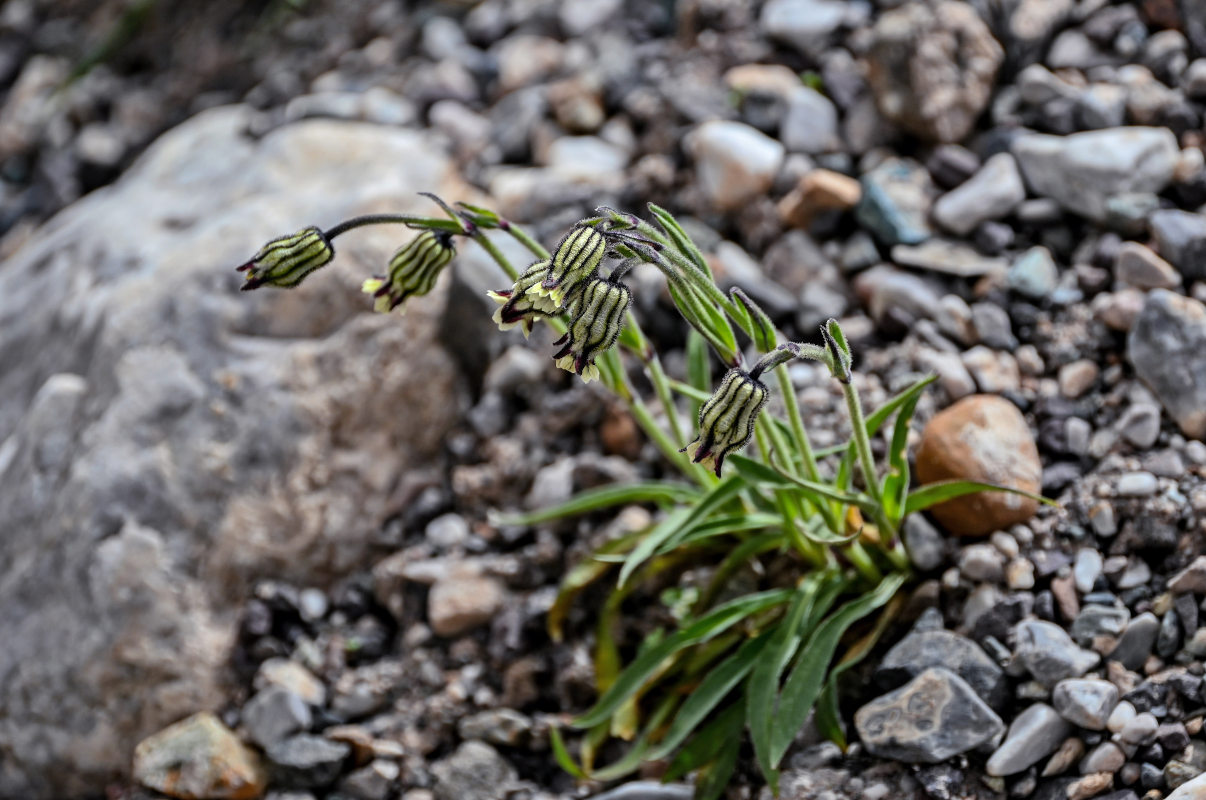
(598, 320)
(726, 421)
(412, 271)
(574, 261)
(287, 260)
(521, 305)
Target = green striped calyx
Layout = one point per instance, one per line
(574, 261)
(726, 421)
(412, 270)
(287, 260)
(521, 304)
(595, 327)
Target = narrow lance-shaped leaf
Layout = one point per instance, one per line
(707, 744)
(806, 678)
(605, 497)
(681, 519)
(712, 624)
(896, 482)
(934, 493)
(580, 576)
(766, 338)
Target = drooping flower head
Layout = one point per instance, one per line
(726, 421)
(597, 322)
(574, 261)
(287, 260)
(412, 270)
(521, 305)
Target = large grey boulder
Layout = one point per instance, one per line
(165, 439)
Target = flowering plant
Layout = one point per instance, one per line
(760, 661)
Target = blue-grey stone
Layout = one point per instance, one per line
(1034, 274)
(1167, 348)
(1035, 733)
(1181, 237)
(921, 650)
(896, 200)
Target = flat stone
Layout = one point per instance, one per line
(499, 726)
(1083, 170)
(1181, 237)
(1138, 266)
(895, 203)
(982, 438)
(1085, 702)
(1137, 484)
(1035, 733)
(819, 190)
(992, 193)
(948, 258)
(196, 759)
(932, 718)
(1049, 653)
(1191, 790)
(921, 650)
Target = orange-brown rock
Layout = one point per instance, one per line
(199, 758)
(819, 190)
(981, 438)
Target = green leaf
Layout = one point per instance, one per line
(762, 688)
(828, 717)
(581, 575)
(755, 472)
(721, 680)
(679, 236)
(705, 318)
(679, 520)
(562, 754)
(939, 492)
(750, 548)
(699, 370)
(663, 494)
(647, 663)
(713, 779)
(723, 526)
(829, 492)
(765, 336)
(638, 753)
(895, 488)
(807, 677)
(708, 743)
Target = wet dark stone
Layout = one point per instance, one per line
(1150, 776)
(1146, 696)
(1044, 605)
(999, 619)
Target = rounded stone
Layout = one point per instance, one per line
(981, 438)
(198, 757)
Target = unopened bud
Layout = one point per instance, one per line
(598, 320)
(287, 260)
(726, 421)
(574, 261)
(412, 270)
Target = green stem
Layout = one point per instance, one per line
(491, 248)
(863, 562)
(526, 239)
(862, 444)
(394, 219)
(812, 552)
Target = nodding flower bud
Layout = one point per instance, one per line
(521, 306)
(598, 320)
(574, 261)
(412, 271)
(726, 421)
(287, 260)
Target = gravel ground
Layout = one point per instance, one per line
(1008, 194)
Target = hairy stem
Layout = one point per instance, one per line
(394, 219)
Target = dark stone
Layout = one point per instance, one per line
(1150, 776)
(921, 650)
(999, 619)
(935, 716)
(1146, 696)
(1151, 754)
(940, 782)
(1187, 685)
(1172, 736)
(1060, 475)
(1169, 640)
(306, 762)
(1044, 605)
